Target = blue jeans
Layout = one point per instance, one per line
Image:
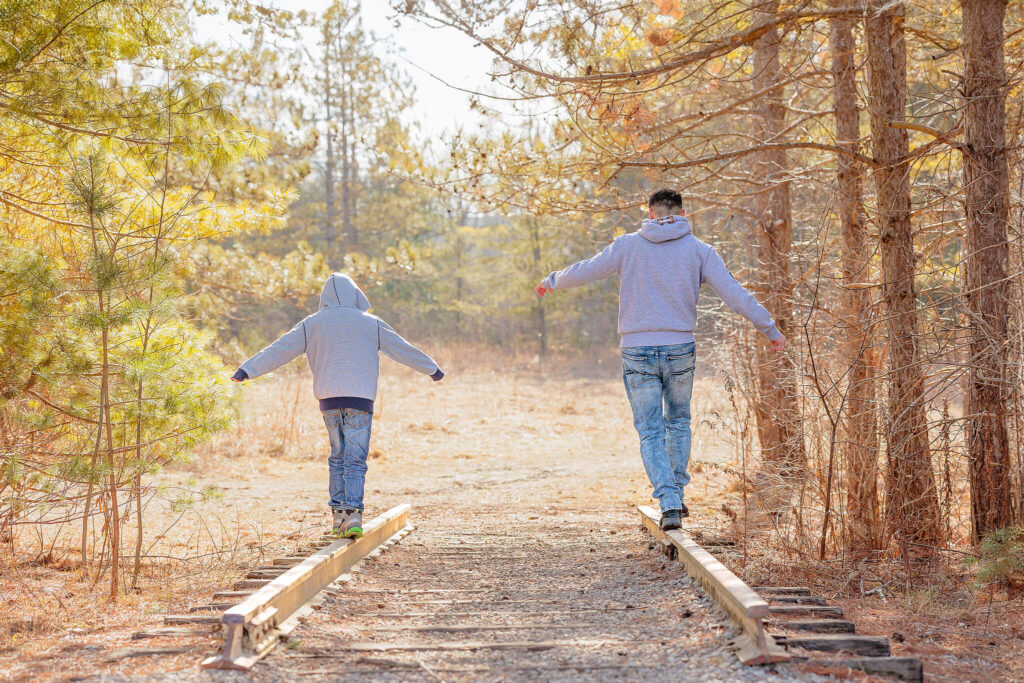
(659, 381)
(349, 431)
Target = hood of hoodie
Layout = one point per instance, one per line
(341, 290)
(665, 229)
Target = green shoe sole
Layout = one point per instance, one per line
(354, 532)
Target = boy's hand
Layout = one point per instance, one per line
(778, 345)
(542, 289)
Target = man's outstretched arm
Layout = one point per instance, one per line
(595, 268)
(739, 300)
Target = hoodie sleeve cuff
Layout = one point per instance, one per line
(240, 375)
(773, 334)
(437, 375)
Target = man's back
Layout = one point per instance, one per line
(661, 268)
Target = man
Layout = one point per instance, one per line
(661, 268)
(341, 342)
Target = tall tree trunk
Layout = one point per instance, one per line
(986, 176)
(912, 506)
(859, 429)
(329, 164)
(349, 236)
(777, 410)
(542, 322)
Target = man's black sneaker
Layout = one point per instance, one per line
(670, 519)
(685, 512)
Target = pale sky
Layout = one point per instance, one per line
(445, 53)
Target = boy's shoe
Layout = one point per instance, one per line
(670, 520)
(339, 520)
(685, 511)
(353, 525)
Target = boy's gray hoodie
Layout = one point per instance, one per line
(341, 342)
(661, 267)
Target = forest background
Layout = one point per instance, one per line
(171, 203)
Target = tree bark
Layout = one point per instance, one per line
(350, 237)
(859, 428)
(329, 162)
(912, 507)
(542, 321)
(986, 177)
(778, 409)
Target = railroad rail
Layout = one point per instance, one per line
(254, 626)
(746, 608)
(796, 621)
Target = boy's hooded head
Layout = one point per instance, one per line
(341, 290)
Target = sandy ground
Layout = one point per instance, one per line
(523, 485)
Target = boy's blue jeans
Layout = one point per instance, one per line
(659, 381)
(349, 431)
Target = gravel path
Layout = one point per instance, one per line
(548, 595)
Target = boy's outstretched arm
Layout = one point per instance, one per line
(739, 300)
(288, 347)
(398, 349)
(592, 269)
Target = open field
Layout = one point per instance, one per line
(519, 446)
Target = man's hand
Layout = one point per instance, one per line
(542, 289)
(778, 345)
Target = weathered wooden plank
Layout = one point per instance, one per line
(799, 600)
(458, 628)
(745, 607)
(904, 668)
(131, 652)
(170, 633)
(782, 590)
(266, 573)
(868, 646)
(817, 625)
(227, 595)
(370, 646)
(213, 606)
(493, 612)
(806, 610)
(182, 619)
(249, 584)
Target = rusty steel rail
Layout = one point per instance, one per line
(738, 600)
(253, 627)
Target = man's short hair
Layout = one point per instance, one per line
(666, 200)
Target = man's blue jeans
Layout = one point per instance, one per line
(659, 381)
(349, 431)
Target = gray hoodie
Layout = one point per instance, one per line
(341, 342)
(661, 268)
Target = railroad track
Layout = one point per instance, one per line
(788, 623)
(485, 598)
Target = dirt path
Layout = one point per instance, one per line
(483, 593)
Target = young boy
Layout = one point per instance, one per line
(341, 342)
(661, 269)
